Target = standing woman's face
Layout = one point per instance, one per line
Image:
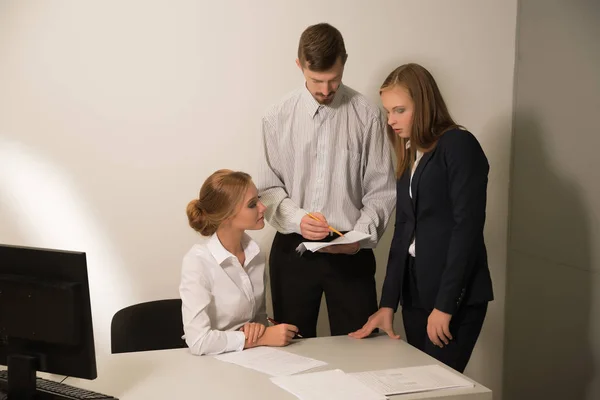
(400, 109)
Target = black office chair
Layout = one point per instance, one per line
(155, 325)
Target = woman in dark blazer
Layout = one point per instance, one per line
(437, 268)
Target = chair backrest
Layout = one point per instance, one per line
(154, 325)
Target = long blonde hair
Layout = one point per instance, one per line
(431, 118)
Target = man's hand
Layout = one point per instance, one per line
(312, 229)
(438, 327)
(350, 248)
(382, 319)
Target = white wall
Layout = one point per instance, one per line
(112, 113)
(553, 280)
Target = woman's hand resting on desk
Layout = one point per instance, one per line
(274, 336)
(382, 319)
(278, 335)
(253, 331)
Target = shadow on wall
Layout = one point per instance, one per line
(548, 353)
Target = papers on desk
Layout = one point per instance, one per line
(411, 379)
(271, 361)
(326, 385)
(348, 238)
(336, 384)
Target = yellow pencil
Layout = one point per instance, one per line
(330, 227)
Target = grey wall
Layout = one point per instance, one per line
(552, 347)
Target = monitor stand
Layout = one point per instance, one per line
(21, 377)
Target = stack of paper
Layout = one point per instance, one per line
(411, 379)
(271, 361)
(326, 385)
(348, 238)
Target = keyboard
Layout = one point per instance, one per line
(60, 390)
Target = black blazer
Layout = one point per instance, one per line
(447, 215)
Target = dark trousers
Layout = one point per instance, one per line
(465, 326)
(299, 281)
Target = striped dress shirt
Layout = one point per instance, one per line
(333, 159)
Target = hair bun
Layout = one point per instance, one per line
(198, 207)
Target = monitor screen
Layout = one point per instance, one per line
(45, 310)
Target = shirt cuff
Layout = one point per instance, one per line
(235, 341)
(296, 219)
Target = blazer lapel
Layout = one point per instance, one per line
(402, 192)
(417, 176)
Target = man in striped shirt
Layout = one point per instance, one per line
(325, 152)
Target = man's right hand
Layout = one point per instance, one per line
(278, 335)
(312, 229)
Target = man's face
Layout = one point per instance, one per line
(323, 85)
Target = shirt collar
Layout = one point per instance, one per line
(419, 152)
(312, 105)
(221, 254)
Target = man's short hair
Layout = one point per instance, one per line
(320, 46)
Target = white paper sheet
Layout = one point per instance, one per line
(411, 379)
(326, 385)
(350, 237)
(271, 361)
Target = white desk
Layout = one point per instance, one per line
(178, 375)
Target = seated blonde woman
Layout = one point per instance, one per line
(222, 279)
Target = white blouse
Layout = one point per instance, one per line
(219, 295)
(411, 248)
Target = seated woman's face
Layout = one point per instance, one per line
(250, 214)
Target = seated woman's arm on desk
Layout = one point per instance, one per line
(196, 297)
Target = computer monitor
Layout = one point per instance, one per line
(45, 316)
